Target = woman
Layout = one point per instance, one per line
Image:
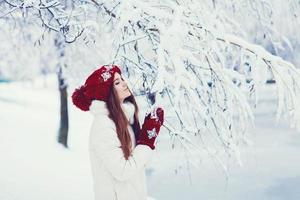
(119, 149)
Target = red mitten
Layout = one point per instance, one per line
(151, 127)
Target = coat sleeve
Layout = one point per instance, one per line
(106, 145)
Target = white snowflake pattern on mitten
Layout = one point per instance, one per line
(151, 133)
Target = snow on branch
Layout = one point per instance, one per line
(287, 78)
(184, 53)
(55, 15)
(193, 54)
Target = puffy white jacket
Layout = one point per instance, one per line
(114, 177)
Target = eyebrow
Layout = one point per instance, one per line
(116, 79)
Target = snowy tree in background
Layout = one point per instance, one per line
(49, 16)
(19, 41)
(205, 59)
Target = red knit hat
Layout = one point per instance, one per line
(96, 86)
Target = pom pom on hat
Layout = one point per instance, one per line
(97, 86)
(80, 100)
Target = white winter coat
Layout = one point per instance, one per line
(114, 177)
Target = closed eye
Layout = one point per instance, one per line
(118, 82)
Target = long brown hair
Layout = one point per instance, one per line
(118, 116)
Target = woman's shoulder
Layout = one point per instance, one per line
(98, 108)
(100, 112)
(104, 123)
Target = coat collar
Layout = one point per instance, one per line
(99, 108)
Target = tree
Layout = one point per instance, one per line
(189, 53)
(52, 16)
(197, 56)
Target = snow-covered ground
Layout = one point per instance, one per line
(33, 166)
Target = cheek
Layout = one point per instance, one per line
(118, 89)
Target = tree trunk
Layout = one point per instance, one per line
(64, 118)
(62, 86)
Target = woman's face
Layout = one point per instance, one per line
(121, 87)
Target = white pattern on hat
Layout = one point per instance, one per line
(106, 76)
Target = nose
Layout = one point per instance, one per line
(124, 84)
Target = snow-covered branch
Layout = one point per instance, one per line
(198, 67)
(54, 15)
(200, 57)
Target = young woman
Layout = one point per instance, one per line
(119, 149)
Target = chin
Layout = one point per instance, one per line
(128, 95)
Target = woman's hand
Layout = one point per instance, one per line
(151, 127)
